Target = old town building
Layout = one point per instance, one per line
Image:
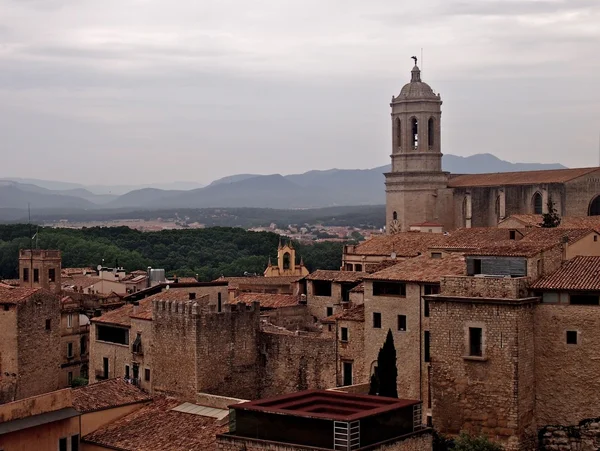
(418, 190)
(287, 265)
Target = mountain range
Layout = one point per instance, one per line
(312, 189)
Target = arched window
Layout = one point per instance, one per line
(537, 203)
(415, 133)
(430, 132)
(594, 209)
(395, 216)
(398, 132)
(286, 260)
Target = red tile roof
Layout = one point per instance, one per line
(518, 178)
(354, 313)
(235, 282)
(82, 281)
(423, 269)
(267, 300)
(107, 394)
(580, 273)
(404, 244)
(12, 295)
(156, 427)
(337, 276)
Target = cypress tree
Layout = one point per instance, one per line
(384, 380)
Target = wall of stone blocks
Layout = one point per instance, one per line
(582, 437)
(567, 386)
(118, 356)
(482, 287)
(293, 318)
(579, 194)
(291, 363)
(39, 355)
(317, 305)
(9, 361)
(352, 351)
(491, 395)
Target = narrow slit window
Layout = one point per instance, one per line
(430, 132)
(415, 133)
(475, 341)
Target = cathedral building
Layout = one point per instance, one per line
(418, 190)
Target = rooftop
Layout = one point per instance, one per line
(235, 282)
(518, 178)
(107, 394)
(13, 295)
(354, 313)
(578, 274)
(267, 300)
(157, 427)
(423, 269)
(403, 244)
(328, 405)
(337, 276)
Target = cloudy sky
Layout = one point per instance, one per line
(142, 91)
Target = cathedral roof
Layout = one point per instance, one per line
(416, 89)
(518, 178)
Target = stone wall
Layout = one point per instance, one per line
(583, 437)
(293, 318)
(482, 287)
(9, 367)
(317, 305)
(579, 193)
(568, 387)
(353, 351)
(118, 356)
(292, 363)
(491, 394)
(39, 354)
(143, 359)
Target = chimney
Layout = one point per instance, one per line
(192, 296)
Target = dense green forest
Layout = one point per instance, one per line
(364, 216)
(210, 252)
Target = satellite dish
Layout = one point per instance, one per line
(99, 267)
(393, 256)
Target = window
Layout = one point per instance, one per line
(594, 209)
(436, 255)
(36, 275)
(358, 268)
(376, 320)
(537, 204)
(426, 354)
(112, 334)
(402, 323)
(48, 324)
(344, 334)
(389, 289)
(349, 267)
(219, 303)
(347, 373)
(6, 307)
(70, 377)
(584, 299)
(147, 374)
(321, 288)
(476, 266)
(52, 275)
(286, 260)
(550, 298)
(595, 237)
(430, 132)
(127, 375)
(571, 337)
(83, 345)
(329, 311)
(69, 350)
(105, 367)
(415, 133)
(75, 443)
(512, 235)
(62, 444)
(395, 216)
(136, 348)
(25, 274)
(70, 320)
(475, 341)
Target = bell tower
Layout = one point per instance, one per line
(416, 176)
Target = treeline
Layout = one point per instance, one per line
(209, 252)
(364, 216)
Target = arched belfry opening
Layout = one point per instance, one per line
(594, 209)
(286, 260)
(538, 204)
(415, 132)
(430, 132)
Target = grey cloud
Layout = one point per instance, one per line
(515, 7)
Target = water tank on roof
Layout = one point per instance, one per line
(157, 276)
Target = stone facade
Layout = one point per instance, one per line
(583, 437)
(74, 342)
(318, 305)
(39, 268)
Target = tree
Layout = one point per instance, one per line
(466, 442)
(384, 379)
(551, 218)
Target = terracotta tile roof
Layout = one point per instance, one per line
(566, 222)
(404, 244)
(156, 427)
(120, 316)
(83, 281)
(11, 282)
(75, 271)
(235, 282)
(423, 269)
(267, 300)
(360, 288)
(354, 313)
(107, 394)
(518, 178)
(579, 273)
(12, 295)
(337, 276)
(475, 237)
(514, 249)
(530, 220)
(555, 235)
(186, 280)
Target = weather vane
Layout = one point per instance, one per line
(415, 58)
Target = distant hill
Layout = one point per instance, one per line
(312, 189)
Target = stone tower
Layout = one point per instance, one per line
(413, 185)
(39, 268)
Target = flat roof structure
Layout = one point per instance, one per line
(323, 419)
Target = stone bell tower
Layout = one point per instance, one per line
(412, 186)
